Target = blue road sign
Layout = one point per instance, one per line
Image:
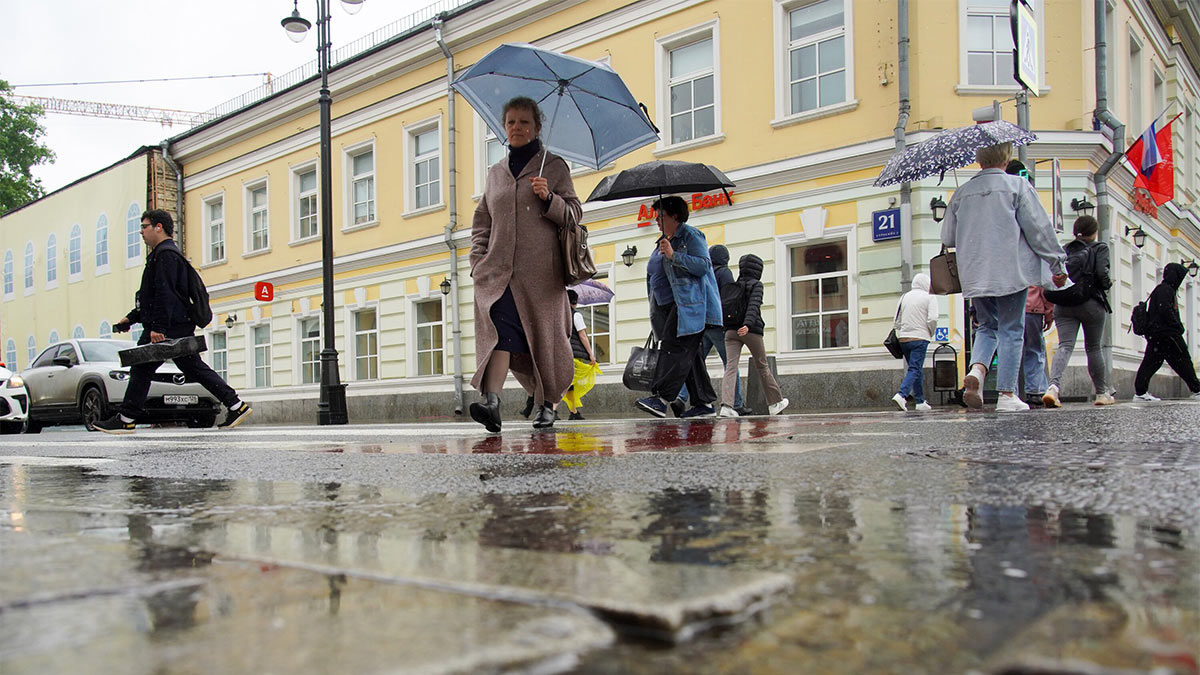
(885, 225)
(941, 334)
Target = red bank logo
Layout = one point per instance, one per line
(264, 291)
(700, 201)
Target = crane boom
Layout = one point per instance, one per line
(66, 106)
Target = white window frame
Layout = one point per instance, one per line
(352, 328)
(348, 156)
(414, 354)
(51, 261)
(205, 208)
(105, 330)
(10, 355)
(75, 253)
(10, 275)
(604, 273)
(136, 244)
(294, 202)
(298, 347)
(101, 245)
(29, 273)
(783, 96)
(1136, 81)
(482, 134)
(249, 211)
(220, 369)
(252, 347)
(783, 287)
(78, 333)
(31, 350)
(662, 90)
(410, 173)
(966, 7)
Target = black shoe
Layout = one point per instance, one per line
(528, 409)
(545, 417)
(114, 425)
(702, 410)
(236, 417)
(576, 416)
(678, 407)
(487, 413)
(744, 411)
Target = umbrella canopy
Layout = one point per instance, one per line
(592, 292)
(951, 149)
(654, 179)
(593, 117)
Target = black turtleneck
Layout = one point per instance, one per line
(519, 157)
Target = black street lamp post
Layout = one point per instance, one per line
(331, 409)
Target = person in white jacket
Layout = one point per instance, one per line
(916, 319)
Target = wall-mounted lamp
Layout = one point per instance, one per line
(230, 319)
(1082, 206)
(1192, 266)
(628, 256)
(938, 207)
(445, 286)
(1139, 237)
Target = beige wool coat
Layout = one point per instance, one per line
(514, 242)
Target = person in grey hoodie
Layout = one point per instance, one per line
(1004, 240)
(1164, 337)
(750, 334)
(915, 322)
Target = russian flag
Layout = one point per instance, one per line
(1152, 159)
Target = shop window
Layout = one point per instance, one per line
(820, 294)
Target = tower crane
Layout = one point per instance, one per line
(66, 106)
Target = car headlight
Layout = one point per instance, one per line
(15, 382)
(119, 375)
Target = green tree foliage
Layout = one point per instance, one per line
(21, 149)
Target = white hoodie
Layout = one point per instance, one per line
(918, 312)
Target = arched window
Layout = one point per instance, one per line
(102, 243)
(10, 355)
(75, 253)
(78, 334)
(30, 349)
(133, 232)
(9, 283)
(53, 336)
(51, 260)
(105, 330)
(29, 266)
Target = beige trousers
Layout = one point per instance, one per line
(758, 360)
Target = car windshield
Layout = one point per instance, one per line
(104, 350)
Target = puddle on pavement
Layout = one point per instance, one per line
(137, 574)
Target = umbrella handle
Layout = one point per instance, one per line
(546, 150)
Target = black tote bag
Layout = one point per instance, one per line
(639, 369)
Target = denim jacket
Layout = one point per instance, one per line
(692, 281)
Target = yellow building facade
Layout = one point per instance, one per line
(795, 100)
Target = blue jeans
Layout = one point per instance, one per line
(914, 378)
(1001, 333)
(715, 336)
(1033, 355)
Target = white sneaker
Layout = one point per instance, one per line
(1011, 404)
(1146, 397)
(1196, 396)
(726, 411)
(776, 408)
(1050, 398)
(1105, 399)
(923, 406)
(972, 388)
(900, 401)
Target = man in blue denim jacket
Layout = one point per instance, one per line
(683, 301)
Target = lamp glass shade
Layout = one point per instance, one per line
(1193, 268)
(445, 286)
(628, 255)
(296, 26)
(1139, 238)
(352, 6)
(938, 208)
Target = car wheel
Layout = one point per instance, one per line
(32, 427)
(93, 408)
(202, 422)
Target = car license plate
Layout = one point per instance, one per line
(181, 399)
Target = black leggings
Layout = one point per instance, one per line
(1172, 350)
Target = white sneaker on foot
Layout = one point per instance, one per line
(1011, 404)
(923, 406)
(726, 411)
(1105, 399)
(1196, 396)
(1050, 398)
(1147, 397)
(972, 384)
(901, 401)
(777, 407)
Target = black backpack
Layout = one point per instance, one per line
(196, 301)
(733, 305)
(1139, 320)
(1081, 268)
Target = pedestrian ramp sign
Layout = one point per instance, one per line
(941, 334)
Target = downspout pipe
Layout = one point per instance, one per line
(452, 165)
(1103, 208)
(166, 153)
(906, 233)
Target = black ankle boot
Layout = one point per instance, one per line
(487, 412)
(545, 417)
(528, 409)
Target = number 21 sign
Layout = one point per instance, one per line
(885, 225)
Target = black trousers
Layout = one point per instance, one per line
(679, 360)
(1173, 350)
(193, 367)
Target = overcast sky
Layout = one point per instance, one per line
(50, 41)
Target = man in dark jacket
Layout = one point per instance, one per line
(1164, 337)
(161, 310)
(714, 336)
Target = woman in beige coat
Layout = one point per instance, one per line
(522, 319)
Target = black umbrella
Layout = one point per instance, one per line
(662, 177)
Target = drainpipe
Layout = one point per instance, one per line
(906, 233)
(166, 147)
(456, 330)
(1103, 208)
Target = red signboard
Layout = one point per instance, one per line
(264, 291)
(699, 202)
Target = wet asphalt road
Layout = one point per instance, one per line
(877, 542)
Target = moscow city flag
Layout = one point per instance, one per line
(1152, 159)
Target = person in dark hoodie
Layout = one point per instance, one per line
(1164, 338)
(714, 336)
(161, 311)
(750, 335)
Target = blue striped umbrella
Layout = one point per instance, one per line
(951, 149)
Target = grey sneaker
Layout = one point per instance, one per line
(1146, 397)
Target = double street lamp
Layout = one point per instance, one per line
(331, 409)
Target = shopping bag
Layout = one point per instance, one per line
(943, 273)
(585, 379)
(639, 369)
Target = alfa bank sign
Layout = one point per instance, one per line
(699, 202)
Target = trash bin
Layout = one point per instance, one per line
(945, 368)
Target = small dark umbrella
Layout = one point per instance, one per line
(662, 177)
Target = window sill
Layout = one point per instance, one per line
(8, 297)
(587, 170)
(667, 150)
(819, 113)
(101, 271)
(255, 254)
(75, 278)
(306, 240)
(51, 286)
(432, 208)
(992, 90)
(361, 226)
(213, 263)
(29, 292)
(133, 262)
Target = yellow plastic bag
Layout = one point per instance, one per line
(585, 379)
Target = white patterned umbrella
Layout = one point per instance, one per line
(951, 149)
